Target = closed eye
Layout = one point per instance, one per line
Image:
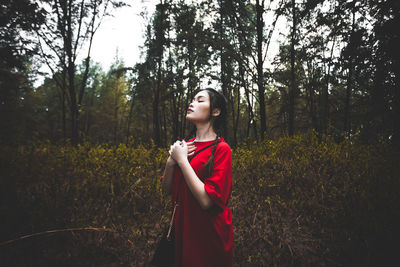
(199, 99)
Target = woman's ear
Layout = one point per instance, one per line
(216, 112)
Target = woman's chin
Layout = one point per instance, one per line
(189, 118)
(196, 120)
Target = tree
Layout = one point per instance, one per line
(292, 89)
(17, 22)
(385, 99)
(112, 106)
(69, 25)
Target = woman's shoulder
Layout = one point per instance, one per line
(223, 145)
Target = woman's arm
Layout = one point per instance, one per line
(195, 185)
(168, 175)
(170, 167)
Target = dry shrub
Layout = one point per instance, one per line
(298, 201)
(307, 201)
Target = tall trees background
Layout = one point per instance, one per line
(336, 71)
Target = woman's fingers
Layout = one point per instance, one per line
(191, 148)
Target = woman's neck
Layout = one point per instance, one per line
(205, 133)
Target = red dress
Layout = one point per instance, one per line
(204, 238)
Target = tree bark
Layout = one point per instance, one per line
(396, 105)
(223, 54)
(157, 90)
(312, 81)
(260, 71)
(349, 84)
(292, 90)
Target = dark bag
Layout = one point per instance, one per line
(164, 254)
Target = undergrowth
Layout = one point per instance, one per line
(299, 201)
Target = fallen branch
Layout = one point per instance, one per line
(62, 230)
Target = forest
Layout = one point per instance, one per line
(314, 127)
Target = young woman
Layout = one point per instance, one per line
(202, 186)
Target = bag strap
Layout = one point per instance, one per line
(204, 148)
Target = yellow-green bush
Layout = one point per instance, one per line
(58, 187)
(296, 201)
(305, 201)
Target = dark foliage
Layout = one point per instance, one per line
(299, 201)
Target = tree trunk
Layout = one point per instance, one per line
(63, 95)
(349, 85)
(116, 110)
(175, 116)
(156, 122)
(260, 71)
(311, 95)
(251, 114)
(157, 90)
(130, 118)
(396, 105)
(325, 95)
(73, 104)
(223, 54)
(292, 90)
(191, 81)
(235, 117)
(165, 129)
(375, 120)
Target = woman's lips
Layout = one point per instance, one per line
(189, 110)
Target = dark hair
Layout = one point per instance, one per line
(218, 123)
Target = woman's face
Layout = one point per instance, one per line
(199, 108)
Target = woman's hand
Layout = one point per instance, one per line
(171, 161)
(191, 148)
(180, 150)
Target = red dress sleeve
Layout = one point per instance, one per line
(219, 185)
